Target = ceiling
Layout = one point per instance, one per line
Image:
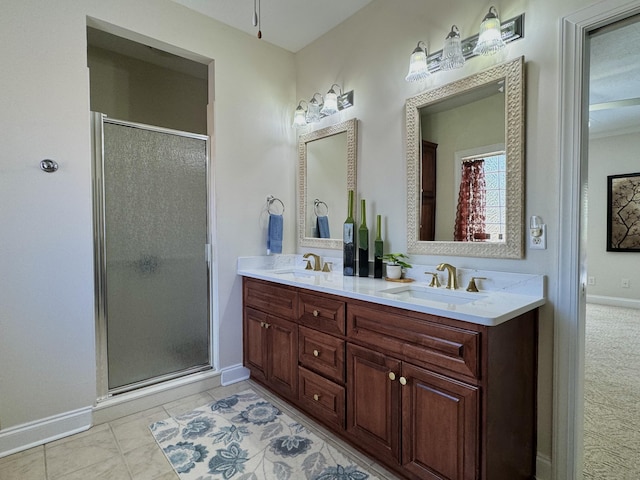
(290, 24)
(614, 80)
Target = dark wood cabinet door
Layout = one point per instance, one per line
(373, 402)
(282, 355)
(255, 343)
(440, 433)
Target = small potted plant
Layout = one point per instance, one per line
(395, 264)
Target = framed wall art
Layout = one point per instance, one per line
(623, 213)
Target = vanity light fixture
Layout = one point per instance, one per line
(331, 101)
(316, 109)
(452, 52)
(490, 37)
(313, 109)
(418, 69)
(300, 115)
(511, 30)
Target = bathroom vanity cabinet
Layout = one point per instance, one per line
(271, 336)
(428, 396)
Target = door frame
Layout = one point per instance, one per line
(569, 321)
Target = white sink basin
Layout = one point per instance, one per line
(419, 292)
(296, 273)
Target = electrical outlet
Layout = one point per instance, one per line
(591, 280)
(624, 283)
(539, 242)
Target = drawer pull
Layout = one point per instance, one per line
(261, 324)
(392, 376)
(316, 313)
(316, 353)
(316, 397)
(403, 381)
(267, 325)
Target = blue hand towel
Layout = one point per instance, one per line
(274, 234)
(322, 222)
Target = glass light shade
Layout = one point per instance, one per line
(490, 37)
(418, 69)
(452, 52)
(313, 110)
(299, 117)
(330, 103)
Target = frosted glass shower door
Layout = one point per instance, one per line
(154, 254)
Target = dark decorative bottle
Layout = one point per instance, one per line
(378, 252)
(348, 233)
(363, 245)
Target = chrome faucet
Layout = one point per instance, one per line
(452, 281)
(316, 262)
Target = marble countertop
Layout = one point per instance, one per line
(501, 297)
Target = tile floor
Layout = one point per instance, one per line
(125, 450)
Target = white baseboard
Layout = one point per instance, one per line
(145, 398)
(28, 435)
(234, 374)
(614, 301)
(543, 467)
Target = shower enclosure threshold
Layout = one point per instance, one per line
(144, 398)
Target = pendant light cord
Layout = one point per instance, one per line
(259, 15)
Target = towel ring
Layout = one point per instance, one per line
(316, 208)
(270, 200)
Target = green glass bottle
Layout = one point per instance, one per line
(363, 245)
(378, 248)
(348, 241)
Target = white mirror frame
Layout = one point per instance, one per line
(512, 73)
(351, 127)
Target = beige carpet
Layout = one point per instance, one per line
(612, 393)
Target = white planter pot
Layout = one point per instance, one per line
(394, 272)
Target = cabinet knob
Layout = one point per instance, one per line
(316, 313)
(392, 376)
(267, 325)
(316, 353)
(262, 324)
(316, 397)
(403, 381)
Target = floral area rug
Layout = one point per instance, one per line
(244, 437)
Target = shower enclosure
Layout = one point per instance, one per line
(152, 254)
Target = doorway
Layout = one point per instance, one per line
(569, 347)
(612, 333)
(152, 212)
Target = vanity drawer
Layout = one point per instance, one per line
(271, 298)
(321, 352)
(417, 338)
(321, 397)
(322, 313)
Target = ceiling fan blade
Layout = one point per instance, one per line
(630, 102)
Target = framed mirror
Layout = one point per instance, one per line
(465, 166)
(326, 172)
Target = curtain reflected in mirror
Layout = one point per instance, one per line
(480, 212)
